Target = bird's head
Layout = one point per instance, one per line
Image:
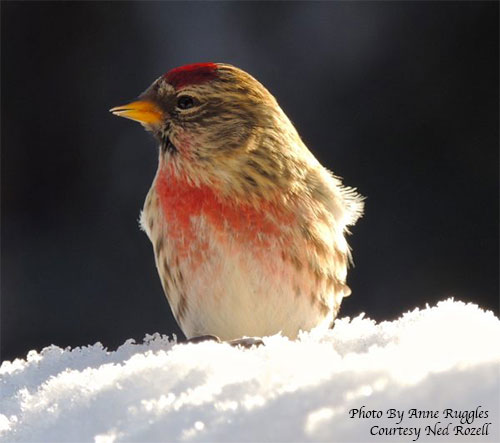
(214, 119)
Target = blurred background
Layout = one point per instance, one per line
(398, 98)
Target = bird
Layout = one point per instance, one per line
(248, 228)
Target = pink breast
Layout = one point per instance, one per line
(180, 201)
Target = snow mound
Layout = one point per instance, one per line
(442, 360)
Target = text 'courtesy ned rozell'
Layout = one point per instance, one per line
(396, 422)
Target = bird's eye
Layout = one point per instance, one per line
(185, 102)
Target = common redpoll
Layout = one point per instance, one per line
(248, 228)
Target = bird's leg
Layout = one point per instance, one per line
(201, 338)
(246, 342)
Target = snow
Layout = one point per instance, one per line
(440, 358)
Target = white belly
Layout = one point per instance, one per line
(230, 289)
(236, 292)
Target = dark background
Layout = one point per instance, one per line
(399, 98)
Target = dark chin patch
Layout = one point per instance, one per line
(167, 146)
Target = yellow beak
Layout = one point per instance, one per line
(141, 111)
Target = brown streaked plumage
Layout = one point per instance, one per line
(248, 227)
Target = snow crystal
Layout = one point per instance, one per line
(435, 359)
